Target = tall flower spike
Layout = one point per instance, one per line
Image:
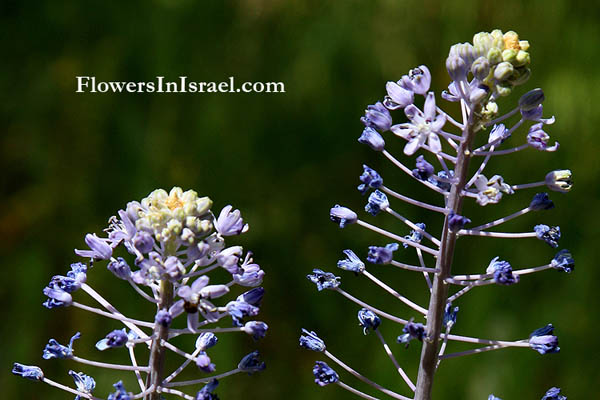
(480, 72)
(173, 242)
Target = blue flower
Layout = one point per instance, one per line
(143, 242)
(419, 79)
(541, 201)
(450, 315)
(492, 397)
(368, 319)
(554, 394)
(206, 340)
(351, 263)
(423, 169)
(543, 341)
(119, 268)
(28, 371)
(163, 317)
(502, 272)
(324, 375)
(442, 184)
(548, 234)
(56, 297)
(538, 139)
(240, 309)
(372, 138)
(251, 274)
(83, 382)
(99, 248)
(377, 202)
(342, 215)
(120, 393)
(415, 236)
(457, 222)
(230, 223)
(251, 363)
(324, 280)
(311, 341)
(256, 329)
(116, 338)
(412, 331)
(370, 180)
(382, 255)
(206, 393)
(204, 363)
(377, 117)
(252, 296)
(498, 132)
(400, 94)
(535, 114)
(563, 261)
(55, 350)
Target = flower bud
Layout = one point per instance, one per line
(457, 68)
(480, 68)
(531, 99)
(494, 55)
(503, 71)
(559, 180)
(522, 58)
(509, 55)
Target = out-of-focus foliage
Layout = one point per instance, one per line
(69, 161)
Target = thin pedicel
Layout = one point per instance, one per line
(174, 239)
(481, 72)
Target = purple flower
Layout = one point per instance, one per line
(311, 341)
(457, 68)
(424, 170)
(554, 394)
(204, 363)
(492, 397)
(83, 382)
(240, 309)
(377, 202)
(399, 95)
(324, 280)
(538, 139)
(191, 294)
(420, 79)
(206, 340)
(56, 350)
(531, 99)
(324, 375)
(424, 126)
(228, 259)
(498, 132)
(230, 223)
(342, 215)
(563, 261)
(442, 182)
(28, 371)
(382, 255)
(351, 263)
(256, 329)
(56, 297)
(502, 272)
(372, 138)
(252, 296)
(163, 318)
(116, 338)
(535, 114)
(415, 235)
(412, 331)
(99, 248)
(541, 201)
(251, 274)
(543, 341)
(206, 393)
(377, 117)
(548, 234)
(367, 319)
(119, 268)
(251, 363)
(457, 222)
(120, 392)
(143, 242)
(370, 180)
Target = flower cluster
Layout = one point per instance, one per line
(481, 72)
(174, 241)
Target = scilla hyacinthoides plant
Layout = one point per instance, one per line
(481, 72)
(174, 241)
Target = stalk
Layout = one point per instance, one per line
(439, 292)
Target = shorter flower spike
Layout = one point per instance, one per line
(370, 180)
(251, 363)
(541, 201)
(324, 375)
(563, 261)
(502, 272)
(382, 255)
(559, 180)
(83, 382)
(368, 319)
(120, 392)
(206, 393)
(372, 138)
(342, 215)
(324, 280)
(457, 222)
(548, 234)
(311, 341)
(543, 341)
(554, 394)
(56, 350)
(377, 201)
(116, 338)
(351, 263)
(412, 331)
(423, 169)
(377, 117)
(28, 371)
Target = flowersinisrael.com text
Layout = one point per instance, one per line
(89, 84)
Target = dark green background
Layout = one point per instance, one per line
(70, 161)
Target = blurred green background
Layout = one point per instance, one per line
(70, 161)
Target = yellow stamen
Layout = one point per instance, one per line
(173, 201)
